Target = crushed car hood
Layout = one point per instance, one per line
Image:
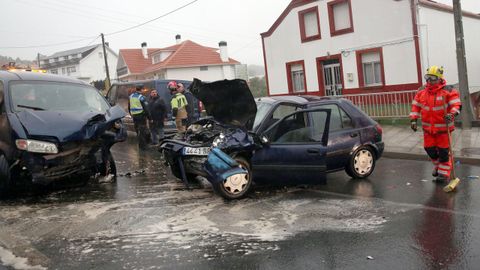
(68, 126)
(228, 101)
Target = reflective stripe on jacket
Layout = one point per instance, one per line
(136, 100)
(179, 101)
(430, 104)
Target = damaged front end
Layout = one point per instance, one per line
(212, 147)
(52, 146)
(189, 155)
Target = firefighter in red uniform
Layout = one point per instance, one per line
(437, 104)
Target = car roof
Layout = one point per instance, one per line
(34, 76)
(148, 81)
(301, 100)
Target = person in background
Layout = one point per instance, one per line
(158, 110)
(191, 101)
(179, 107)
(138, 108)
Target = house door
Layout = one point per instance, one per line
(332, 79)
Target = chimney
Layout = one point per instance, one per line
(144, 50)
(223, 51)
(178, 38)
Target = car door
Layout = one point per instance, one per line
(296, 150)
(343, 137)
(5, 130)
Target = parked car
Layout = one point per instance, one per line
(294, 138)
(119, 94)
(52, 127)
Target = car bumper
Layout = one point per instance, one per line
(46, 168)
(379, 147)
(190, 164)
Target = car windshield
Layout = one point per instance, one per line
(55, 96)
(262, 110)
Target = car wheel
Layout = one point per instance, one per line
(4, 176)
(236, 186)
(361, 163)
(109, 167)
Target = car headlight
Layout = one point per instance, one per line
(36, 146)
(218, 140)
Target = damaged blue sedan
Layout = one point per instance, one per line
(54, 127)
(290, 139)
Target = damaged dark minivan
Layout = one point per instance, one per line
(54, 127)
(273, 140)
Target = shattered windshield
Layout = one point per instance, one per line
(54, 96)
(262, 110)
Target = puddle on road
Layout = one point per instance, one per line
(172, 223)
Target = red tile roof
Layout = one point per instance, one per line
(185, 54)
(134, 59)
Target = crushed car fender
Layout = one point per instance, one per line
(219, 166)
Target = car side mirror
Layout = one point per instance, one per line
(264, 140)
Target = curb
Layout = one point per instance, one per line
(423, 157)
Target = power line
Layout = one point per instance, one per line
(154, 19)
(48, 45)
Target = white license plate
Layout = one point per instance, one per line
(198, 151)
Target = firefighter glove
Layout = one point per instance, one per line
(449, 117)
(413, 125)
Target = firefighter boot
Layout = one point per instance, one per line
(441, 179)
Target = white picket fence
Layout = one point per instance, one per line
(384, 105)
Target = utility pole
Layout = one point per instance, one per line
(38, 60)
(467, 115)
(107, 82)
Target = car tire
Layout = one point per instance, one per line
(224, 188)
(361, 163)
(4, 176)
(109, 167)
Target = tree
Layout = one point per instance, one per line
(258, 86)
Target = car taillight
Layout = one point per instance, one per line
(379, 129)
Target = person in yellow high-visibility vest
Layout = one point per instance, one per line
(179, 107)
(138, 108)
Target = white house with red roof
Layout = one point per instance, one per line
(184, 61)
(338, 47)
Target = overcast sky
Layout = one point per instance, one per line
(33, 22)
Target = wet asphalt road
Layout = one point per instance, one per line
(148, 220)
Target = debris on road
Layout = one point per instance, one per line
(408, 183)
(473, 177)
(369, 258)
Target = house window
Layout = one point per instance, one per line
(309, 24)
(66, 57)
(204, 68)
(63, 70)
(340, 17)
(71, 70)
(370, 67)
(296, 77)
(55, 59)
(54, 71)
(156, 58)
